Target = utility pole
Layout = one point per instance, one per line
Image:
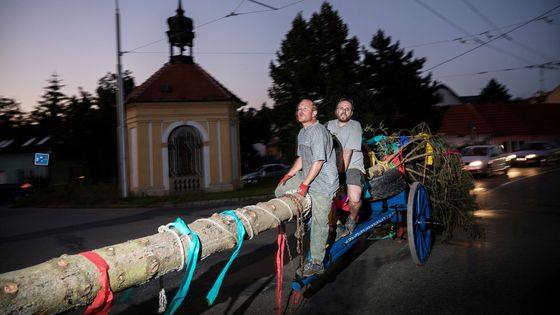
(121, 127)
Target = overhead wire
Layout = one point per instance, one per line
(463, 40)
(546, 65)
(491, 40)
(231, 14)
(475, 38)
(511, 39)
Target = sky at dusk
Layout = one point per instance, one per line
(76, 40)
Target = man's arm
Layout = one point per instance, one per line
(295, 167)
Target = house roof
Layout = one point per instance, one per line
(186, 82)
(502, 119)
(29, 144)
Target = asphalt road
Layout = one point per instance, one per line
(513, 270)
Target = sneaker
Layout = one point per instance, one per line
(345, 229)
(310, 268)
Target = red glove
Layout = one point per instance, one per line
(302, 189)
(284, 179)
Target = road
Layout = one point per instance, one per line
(513, 270)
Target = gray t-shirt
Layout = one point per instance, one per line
(350, 138)
(315, 144)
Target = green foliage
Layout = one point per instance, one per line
(50, 112)
(11, 117)
(84, 126)
(400, 96)
(254, 127)
(494, 92)
(427, 159)
(102, 146)
(319, 61)
(316, 60)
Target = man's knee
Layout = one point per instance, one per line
(354, 194)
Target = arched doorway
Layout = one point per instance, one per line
(185, 159)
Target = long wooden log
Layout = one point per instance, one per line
(71, 281)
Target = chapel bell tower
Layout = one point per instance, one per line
(180, 34)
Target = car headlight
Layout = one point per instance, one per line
(475, 163)
(511, 157)
(530, 156)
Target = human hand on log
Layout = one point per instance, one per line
(284, 179)
(302, 189)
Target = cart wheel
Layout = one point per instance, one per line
(418, 226)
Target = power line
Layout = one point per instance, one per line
(487, 33)
(476, 39)
(511, 39)
(492, 39)
(547, 65)
(231, 14)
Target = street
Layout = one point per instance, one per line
(513, 270)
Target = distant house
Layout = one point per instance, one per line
(506, 124)
(447, 97)
(18, 165)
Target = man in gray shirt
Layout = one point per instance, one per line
(349, 133)
(315, 167)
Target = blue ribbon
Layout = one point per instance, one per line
(213, 293)
(190, 266)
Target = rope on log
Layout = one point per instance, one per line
(71, 281)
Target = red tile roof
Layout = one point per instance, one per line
(502, 119)
(181, 82)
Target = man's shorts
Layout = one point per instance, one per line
(355, 177)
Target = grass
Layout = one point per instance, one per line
(107, 195)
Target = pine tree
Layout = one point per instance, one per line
(50, 111)
(81, 129)
(494, 92)
(104, 157)
(11, 117)
(400, 96)
(316, 60)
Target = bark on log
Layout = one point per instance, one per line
(71, 281)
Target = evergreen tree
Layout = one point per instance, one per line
(104, 144)
(255, 126)
(494, 92)
(316, 60)
(50, 111)
(81, 128)
(399, 95)
(11, 117)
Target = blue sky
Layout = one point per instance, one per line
(76, 39)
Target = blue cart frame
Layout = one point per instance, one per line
(412, 203)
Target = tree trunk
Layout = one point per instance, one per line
(70, 281)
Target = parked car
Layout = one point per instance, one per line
(485, 159)
(536, 153)
(265, 171)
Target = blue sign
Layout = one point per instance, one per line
(41, 159)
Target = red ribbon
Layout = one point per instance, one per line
(104, 298)
(341, 203)
(281, 241)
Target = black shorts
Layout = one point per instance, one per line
(355, 177)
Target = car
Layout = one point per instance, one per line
(485, 159)
(265, 171)
(536, 153)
